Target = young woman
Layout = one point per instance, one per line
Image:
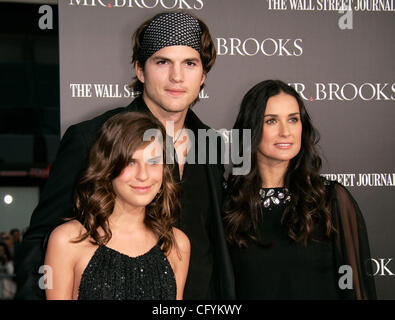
(122, 244)
(292, 234)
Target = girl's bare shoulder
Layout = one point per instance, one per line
(66, 233)
(182, 240)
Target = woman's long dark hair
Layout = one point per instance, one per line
(308, 202)
(119, 138)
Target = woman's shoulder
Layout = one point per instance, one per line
(181, 240)
(65, 233)
(336, 190)
(180, 253)
(343, 204)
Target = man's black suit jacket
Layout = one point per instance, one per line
(56, 203)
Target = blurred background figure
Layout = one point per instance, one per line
(6, 238)
(15, 234)
(16, 239)
(7, 283)
(29, 122)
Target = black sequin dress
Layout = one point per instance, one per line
(111, 275)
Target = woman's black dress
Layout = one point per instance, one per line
(283, 269)
(111, 275)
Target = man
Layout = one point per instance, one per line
(172, 54)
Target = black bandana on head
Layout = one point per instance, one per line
(170, 29)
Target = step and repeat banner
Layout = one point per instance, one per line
(338, 54)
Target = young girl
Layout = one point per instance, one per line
(122, 243)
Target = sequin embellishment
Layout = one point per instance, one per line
(111, 275)
(273, 196)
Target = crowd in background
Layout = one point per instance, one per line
(9, 242)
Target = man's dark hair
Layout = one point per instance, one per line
(207, 52)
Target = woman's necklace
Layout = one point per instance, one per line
(274, 196)
(179, 135)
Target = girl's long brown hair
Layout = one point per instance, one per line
(308, 199)
(119, 138)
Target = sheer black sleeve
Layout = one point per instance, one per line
(352, 245)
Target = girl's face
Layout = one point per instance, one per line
(281, 131)
(140, 181)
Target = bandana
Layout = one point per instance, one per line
(170, 29)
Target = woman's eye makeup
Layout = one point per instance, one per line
(270, 121)
(294, 119)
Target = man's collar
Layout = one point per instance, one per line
(139, 104)
(193, 122)
(191, 119)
